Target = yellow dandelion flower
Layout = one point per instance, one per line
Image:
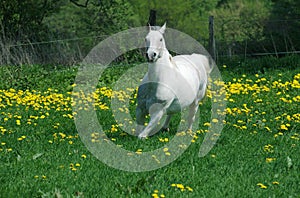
(206, 124)
(83, 156)
(268, 129)
(18, 122)
(283, 127)
(270, 159)
(189, 188)
(155, 195)
(62, 135)
(180, 186)
(139, 151)
(215, 120)
(262, 186)
(275, 182)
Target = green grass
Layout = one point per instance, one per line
(255, 155)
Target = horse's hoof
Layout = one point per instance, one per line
(166, 129)
(142, 137)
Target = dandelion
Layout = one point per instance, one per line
(62, 135)
(114, 128)
(206, 124)
(262, 186)
(189, 188)
(83, 156)
(215, 120)
(18, 122)
(268, 148)
(139, 151)
(283, 127)
(268, 129)
(270, 159)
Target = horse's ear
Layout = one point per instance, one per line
(163, 28)
(149, 27)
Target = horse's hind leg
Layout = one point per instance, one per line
(166, 124)
(192, 114)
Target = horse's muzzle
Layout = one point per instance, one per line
(151, 57)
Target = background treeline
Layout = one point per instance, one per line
(63, 31)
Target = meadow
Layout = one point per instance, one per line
(257, 154)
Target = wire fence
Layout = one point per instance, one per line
(278, 38)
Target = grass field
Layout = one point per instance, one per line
(257, 154)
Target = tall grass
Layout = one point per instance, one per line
(257, 154)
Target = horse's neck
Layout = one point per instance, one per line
(158, 69)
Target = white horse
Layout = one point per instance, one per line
(171, 84)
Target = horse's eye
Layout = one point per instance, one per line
(160, 40)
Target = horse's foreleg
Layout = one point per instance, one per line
(140, 119)
(156, 113)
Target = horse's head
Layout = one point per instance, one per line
(155, 43)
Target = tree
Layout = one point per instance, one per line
(240, 21)
(91, 19)
(189, 16)
(23, 20)
(284, 25)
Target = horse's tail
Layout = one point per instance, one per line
(208, 63)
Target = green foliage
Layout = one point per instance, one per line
(37, 77)
(262, 64)
(190, 16)
(241, 20)
(23, 20)
(65, 31)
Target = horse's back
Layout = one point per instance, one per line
(198, 60)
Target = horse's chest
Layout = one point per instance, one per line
(153, 93)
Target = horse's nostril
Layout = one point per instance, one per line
(154, 54)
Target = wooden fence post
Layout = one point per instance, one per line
(211, 43)
(152, 18)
